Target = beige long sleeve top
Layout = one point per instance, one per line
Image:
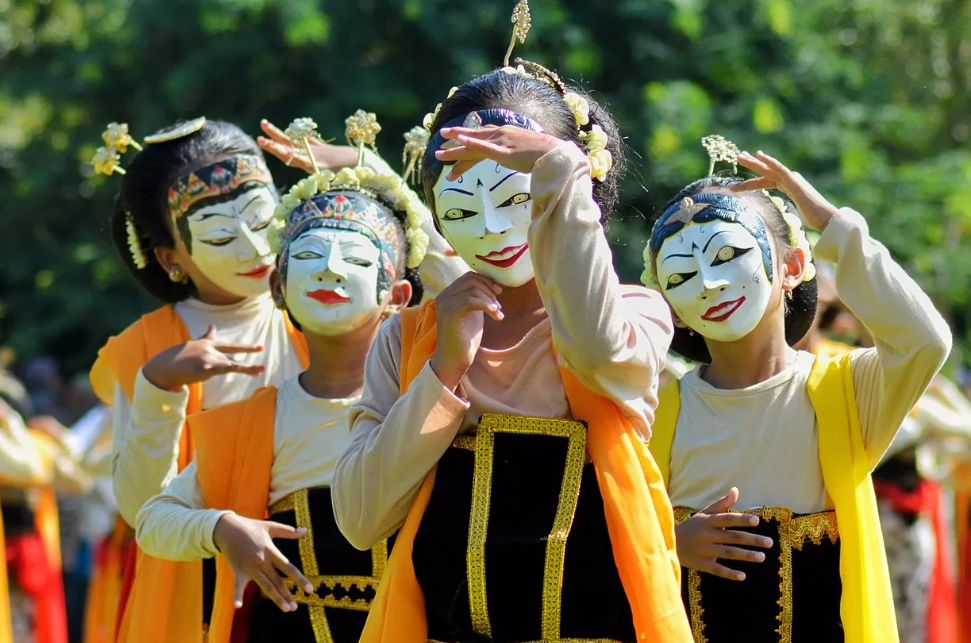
(763, 438)
(613, 342)
(308, 435)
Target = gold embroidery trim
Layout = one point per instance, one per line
(694, 606)
(576, 435)
(299, 503)
(793, 534)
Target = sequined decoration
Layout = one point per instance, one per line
(720, 149)
(522, 22)
(576, 434)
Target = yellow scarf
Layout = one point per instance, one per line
(639, 516)
(165, 603)
(866, 606)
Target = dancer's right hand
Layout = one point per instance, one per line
(705, 537)
(197, 361)
(247, 545)
(460, 313)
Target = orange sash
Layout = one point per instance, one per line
(639, 516)
(165, 599)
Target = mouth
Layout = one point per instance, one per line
(505, 257)
(721, 312)
(328, 297)
(257, 273)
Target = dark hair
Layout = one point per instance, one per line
(799, 311)
(539, 101)
(143, 197)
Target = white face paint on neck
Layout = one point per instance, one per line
(485, 216)
(713, 276)
(331, 285)
(228, 242)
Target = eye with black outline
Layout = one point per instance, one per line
(728, 253)
(457, 214)
(225, 241)
(260, 226)
(679, 278)
(356, 261)
(307, 255)
(516, 199)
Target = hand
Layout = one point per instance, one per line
(247, 545)
(328, 157)
(460, 313)
(813, 207)
(197, 361)
(705, 536)
(512, 147)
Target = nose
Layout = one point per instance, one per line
(495, 221)
(711, 283)
(255, 244)
(335, 265)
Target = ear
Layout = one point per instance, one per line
(276, 289)
(793, 268)
(401, 293)
(166, 257)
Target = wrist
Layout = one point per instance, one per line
(157, 378)
(449, 376)
(223, 524)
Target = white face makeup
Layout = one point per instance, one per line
(228, 244)
(331, 285)
(485, 216)
(713, 276)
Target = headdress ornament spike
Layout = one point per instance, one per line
(416, 140)
(302, 130)
(362, 131)
(720, 150)
(522, 22)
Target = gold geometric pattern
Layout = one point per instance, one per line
(793, 534)
(490, 425)
(299, 503)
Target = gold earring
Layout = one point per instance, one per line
(389, 311)
(789, 294)
(176, 274)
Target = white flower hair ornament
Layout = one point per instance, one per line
(391, 188)
(797, 235)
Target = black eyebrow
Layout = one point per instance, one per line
(209, 215)
(713, 238)
(503, 180)
(455, 190)
(672, 256)
(250, 202)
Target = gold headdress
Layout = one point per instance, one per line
(107, 161)
(720, 149)
(361, 132)
(592, 136)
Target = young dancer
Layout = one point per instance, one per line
(786, 437)
(342, 270)
(517, 521)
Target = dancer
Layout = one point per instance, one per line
(470, 435)
(787, 437)
(349, 247)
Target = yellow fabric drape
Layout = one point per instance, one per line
(866, 606)
(165, 603)
(639, 516)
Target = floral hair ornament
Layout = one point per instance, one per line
(522, 22)
(720, 150)
(416, 140)
(362, 129)
(107, 161)
(797, 235)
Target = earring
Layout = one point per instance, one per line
(389, 311)
(176, 274)
(789, 294)
(691, 332)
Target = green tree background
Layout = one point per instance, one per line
(868, 98)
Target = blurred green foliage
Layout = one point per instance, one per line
(867, 98)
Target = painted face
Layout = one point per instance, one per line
(227, 241)
(331, 281)
(714, 277)
(485, 216)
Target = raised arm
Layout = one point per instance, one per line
(613, 338)
(395, 441)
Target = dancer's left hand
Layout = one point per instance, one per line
(511, 147)
(813, 207)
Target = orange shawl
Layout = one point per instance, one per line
(165, 600)
(639, 516)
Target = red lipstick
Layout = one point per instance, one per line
(503, 258)
(328, 297)
(721, 312)
(258, 273)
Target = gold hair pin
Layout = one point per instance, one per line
(522, 22)
(302, 130)
(416, 140)
(362, 130)
(720, 150)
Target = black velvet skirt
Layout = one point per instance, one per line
(345, 578)
(513, 545)
(793, 596)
